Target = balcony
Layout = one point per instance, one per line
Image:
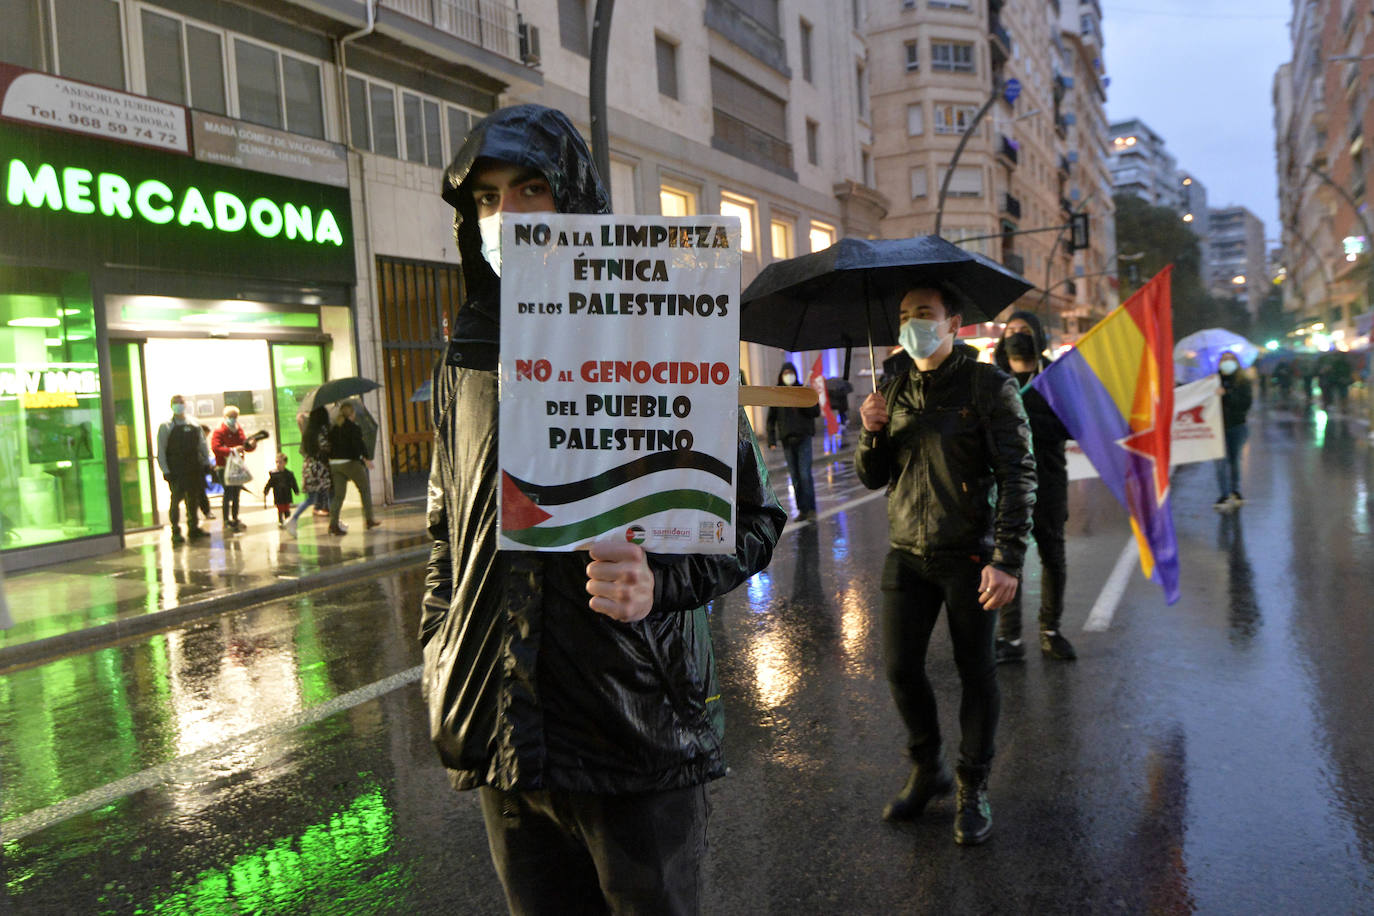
(485, 23)
(999, 40)
(1009, 151)
(1065, 166)
(758, 39)
(1011, 206)
(745, 141)
(1014, 262)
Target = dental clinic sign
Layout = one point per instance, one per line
(85, 198)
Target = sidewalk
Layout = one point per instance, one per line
(151, 585)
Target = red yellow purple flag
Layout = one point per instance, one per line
(1114, 392)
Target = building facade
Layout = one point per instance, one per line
(1195, 211)
(1236, 257)
(1036, 156)
(237, 199)
(1322, 118)
(1141, 164)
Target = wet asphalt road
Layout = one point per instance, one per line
(1212, 757)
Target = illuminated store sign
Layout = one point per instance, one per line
(83, 191)
(49, 384)
(85, 200)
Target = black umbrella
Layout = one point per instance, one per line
(852, 291)
(338, 389)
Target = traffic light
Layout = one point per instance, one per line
(1078, 232)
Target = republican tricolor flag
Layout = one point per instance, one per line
(1114, 392)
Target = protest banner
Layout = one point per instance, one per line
(619, 381)
(1197, 431)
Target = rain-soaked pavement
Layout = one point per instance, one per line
(1209, 757)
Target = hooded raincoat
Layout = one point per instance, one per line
(526, 686)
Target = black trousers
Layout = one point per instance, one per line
(914, 588)
(576, 852)
(1047, 528)
(191, 496)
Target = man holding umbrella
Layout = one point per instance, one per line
(950, 440)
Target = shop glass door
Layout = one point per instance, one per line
(132, 447)
(297, 369)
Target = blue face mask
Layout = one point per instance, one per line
(921, 337)
(178, 409)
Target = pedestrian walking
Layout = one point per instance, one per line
(941, 436)
(1021, 352)
(318, 479)
(229, 439)
(794, 428)
(348, 461)
(209, 476)
(1235, 404)
(183, 457)
(281, 483)
(579, 698)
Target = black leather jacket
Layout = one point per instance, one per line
(527, 687)
(958, 439)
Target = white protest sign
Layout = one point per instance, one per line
(619, 381)
(1197, 433)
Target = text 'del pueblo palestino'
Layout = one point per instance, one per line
(619, 381)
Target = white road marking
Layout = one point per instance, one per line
(1100, 617)
(835, 510)
(184, 768)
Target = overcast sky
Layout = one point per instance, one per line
(1201, 74)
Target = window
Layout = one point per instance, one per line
(666, 54)
(742, 207)
(748, 120)
(90, 41)
(915, 120)
(780, 234)
(920, 182)
(967, 181)
(372, 123)
(163, 62)
(21, 41)
(459, 123)
(259, 84)
(807, 73)
(866, 167)
(858, 11)
(676, 201)
(955, 56)
(573, 28)
(381, 102)
(624, 198)
(862, 90)
(822, 236)
(205, 60)
(813, 142)
(424, 133)
(913, 57)
(278, 90)
(953, 119)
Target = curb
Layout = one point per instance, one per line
(44, 650)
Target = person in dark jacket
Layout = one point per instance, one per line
(183, 456)
(794, 428)
(589, 725)
(318, 479)
(1021, 352)
(348, 461)
(282, 484)
(950, 441)
(1236, 398)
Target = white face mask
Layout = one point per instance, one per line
(231, 422)
(921, 337)
(1228, 367)
(489, 227)
(788, 378)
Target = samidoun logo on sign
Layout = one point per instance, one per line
(78, 190)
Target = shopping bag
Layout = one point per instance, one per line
(236, 473)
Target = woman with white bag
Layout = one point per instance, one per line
(229, 445)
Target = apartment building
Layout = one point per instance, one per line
(1033, 158)
(1141, 164)
(1236, 258)
(1321, 117)
(236, 199)
(1195, 211)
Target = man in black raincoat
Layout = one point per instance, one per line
(1020, 352)
(589, 726)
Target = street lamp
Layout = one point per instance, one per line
(1009, 89)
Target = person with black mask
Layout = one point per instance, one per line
(577, 692)
(1236, 398)
(794, 427)
(1021, 352)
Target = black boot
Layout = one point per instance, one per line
(929, 779)
(973, 820)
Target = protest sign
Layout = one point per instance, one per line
(1197, 432)
(619, 381)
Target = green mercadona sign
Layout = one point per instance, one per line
(68, 195)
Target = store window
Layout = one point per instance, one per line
(53, 483)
